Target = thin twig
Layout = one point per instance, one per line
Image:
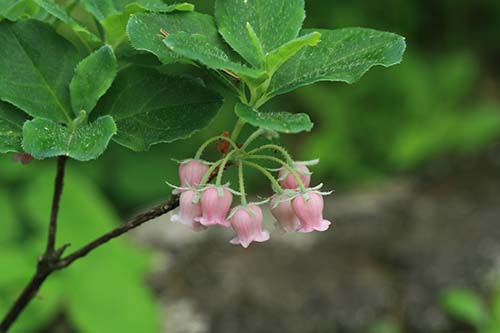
(153, 213)
(58, 188)
(170, 204)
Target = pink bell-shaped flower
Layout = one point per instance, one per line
(284, 213)
(188, 211)
(248, 226)
(191, 172)
(310, 212)
(287, 180)
(215, 204)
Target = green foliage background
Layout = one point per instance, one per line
(442, 101)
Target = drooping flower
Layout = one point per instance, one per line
(282, 210)
(191, 172)
(288, 181)
(215, 204)
(247, 223)
(188, 211)
(310, 212)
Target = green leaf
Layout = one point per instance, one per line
(36, 66)
(257, 44)
(53, 9)
(20, 9)
(11, 128)
(283, 122)
(126, 55)
(93, 77)
(44, 138)
(342, 55)
(115, 27)
(467, 306)
(279, 56)
(199, 48)
(157, 6)
(151, 108)
(143, 30)
(274, 22)
(102, 9)
(114, 14)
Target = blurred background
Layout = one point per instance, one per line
(413, 153)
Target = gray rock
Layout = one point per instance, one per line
(392, 249)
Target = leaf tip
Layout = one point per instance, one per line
(185, 7)
(316, 38)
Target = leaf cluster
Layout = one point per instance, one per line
(96, 81)
(259, 50)
(68, 86)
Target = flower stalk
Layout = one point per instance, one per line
(241, 179)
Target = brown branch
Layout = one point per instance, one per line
(140, 219)
(23, 300)
(58, 188)
(47, 262)
(162, 209)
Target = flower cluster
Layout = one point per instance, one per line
(295, 205)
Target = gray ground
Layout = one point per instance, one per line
(392, 249)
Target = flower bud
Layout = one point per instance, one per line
(284, 214)
(188, 211)
(215, 204)
(191, 172)
(310, 212)
(248, 226)
(288, 181)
